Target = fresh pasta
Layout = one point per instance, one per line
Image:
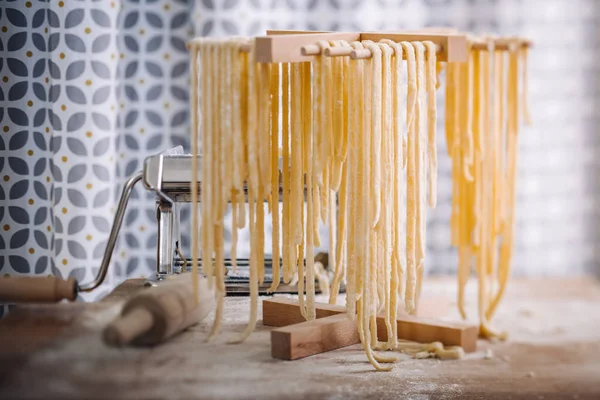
(351, 144)
(482, 145)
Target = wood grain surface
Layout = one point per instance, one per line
(56, 352)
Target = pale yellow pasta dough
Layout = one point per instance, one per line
(352, 144)
(483, 147)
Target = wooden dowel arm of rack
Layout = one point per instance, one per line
(310, 50)
(360, 54)
(337, 51)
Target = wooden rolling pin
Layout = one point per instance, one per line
(37, 289)
(160, 312)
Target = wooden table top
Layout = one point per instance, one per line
(553, 352)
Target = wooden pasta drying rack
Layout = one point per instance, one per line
(294, 337)
(288, 46)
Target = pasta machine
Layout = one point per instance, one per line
(169, 176)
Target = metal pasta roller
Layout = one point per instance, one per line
(169, 176)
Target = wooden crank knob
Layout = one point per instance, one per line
(37, 289)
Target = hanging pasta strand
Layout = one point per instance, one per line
(274, 197)
(222, 141)
(351, 144)
(287, 247)
(481, 168)
(459, 96)
(465, 171)
(327, 141)
(524, 84)
(356, 134)
(235, 147)
(398, 209)
(411, 181)
(253, 273)
(239, 141)
(310, 198)
(483, 150)
(195, 72)
(339, 117)
(365, 222)
(361, 237)
(207, 50)
(366, 210)
(297, 183)
(509, 181)
(264, 160)
(372, 193)
(375, 155)
(234, 234)
(222, 133)
(341, 235)
(431, 73)
(420, 165)
(240, 138)
(339, 176)
(385, 223)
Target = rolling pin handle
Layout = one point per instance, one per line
(129, 326)
(67, 289)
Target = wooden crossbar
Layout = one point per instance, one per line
(300, 46)
(296, 338)
(287, 46)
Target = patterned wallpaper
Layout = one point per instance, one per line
(90, 87)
